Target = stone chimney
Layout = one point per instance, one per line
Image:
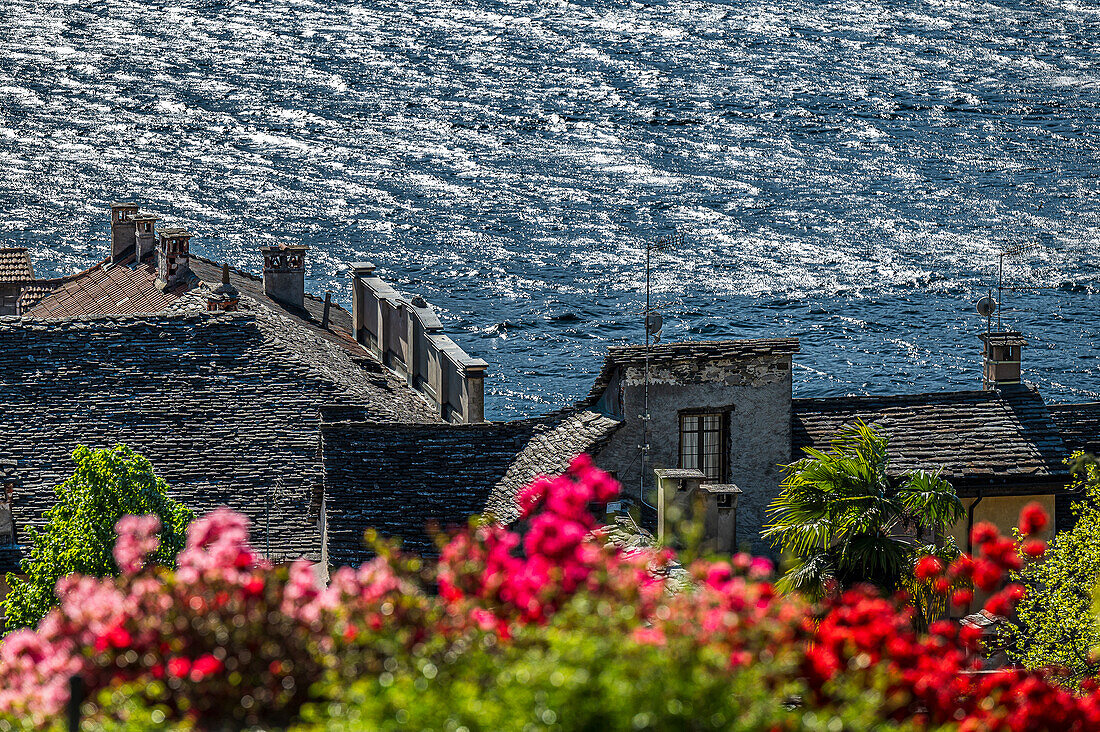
(285, 274)
(173, 253)
(123, 234)
(9, 486)
(225, 297)
(146, 242)
(1001, 358)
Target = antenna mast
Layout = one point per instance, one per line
(653, 323)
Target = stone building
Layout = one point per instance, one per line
(216, 375)
(319, 422)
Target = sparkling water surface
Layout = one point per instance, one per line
(843, 172)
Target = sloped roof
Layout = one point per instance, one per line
(129, 288)
(670, 354)
(978, 438)
(224, 405)
(554, 442)
(105, 289)
(398, 478)
(1079, 424)
(311, 315)
(15, 265)
(30, 295)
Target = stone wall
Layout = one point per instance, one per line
(755, 394)
(406, 335)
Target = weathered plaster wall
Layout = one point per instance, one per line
(1003, 512)
(757, 393)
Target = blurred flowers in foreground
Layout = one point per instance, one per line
(542, 625)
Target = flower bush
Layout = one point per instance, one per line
(542, 625)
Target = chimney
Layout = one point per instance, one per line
(144, 225)
(225, 297)
(285, 274)
(9, 486)
(123, 235)
(173, 253)
(1001, 358)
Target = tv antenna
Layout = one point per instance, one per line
(987, 306)
(653, 324)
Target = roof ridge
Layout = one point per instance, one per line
(1072, 405)
(913, 395)
(257, 278)
(69, 277)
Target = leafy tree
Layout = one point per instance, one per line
(1056, 624)
(80, 532)
(841, 519)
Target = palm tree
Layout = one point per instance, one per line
(840, 517)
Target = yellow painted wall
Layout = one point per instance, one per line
(1004, 513)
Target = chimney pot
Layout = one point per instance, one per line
(145, 231)
(285, 274)
(173, 257)
(123, 231)
(1001, 358)
(225, 297)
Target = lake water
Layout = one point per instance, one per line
(843, 172)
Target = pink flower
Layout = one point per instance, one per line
(137, 539)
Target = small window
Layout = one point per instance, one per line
(725, 500)
(703, 444)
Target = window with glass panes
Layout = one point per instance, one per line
(703, 444)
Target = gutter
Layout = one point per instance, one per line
(970, 523)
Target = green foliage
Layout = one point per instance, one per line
(1056, 623)
(839, 517)
(584, 671)
(80, 532)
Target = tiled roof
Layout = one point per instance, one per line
(399, 479)
(126, 289)
(30, 295)
(977, 437)
(225, 407)
(670, 354)
(1079, 424)
(105, 289)
(15, 265)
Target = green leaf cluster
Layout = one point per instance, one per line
(841, 517)
(79, 535)
(1056, 623)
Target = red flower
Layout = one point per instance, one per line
(204, 666)
(119, 637)
(254, 587)
(1034, 548)
(983, 533)
(178, 667)
(1033, 519)
(962, 598)
(928, 567)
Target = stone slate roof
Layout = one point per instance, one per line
(1079, 424)
(670, 354)
(106, 289)
(399, 478)
(979, 438)
(338, 331)
(15, 265)
(225, 406)
(554, 441)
